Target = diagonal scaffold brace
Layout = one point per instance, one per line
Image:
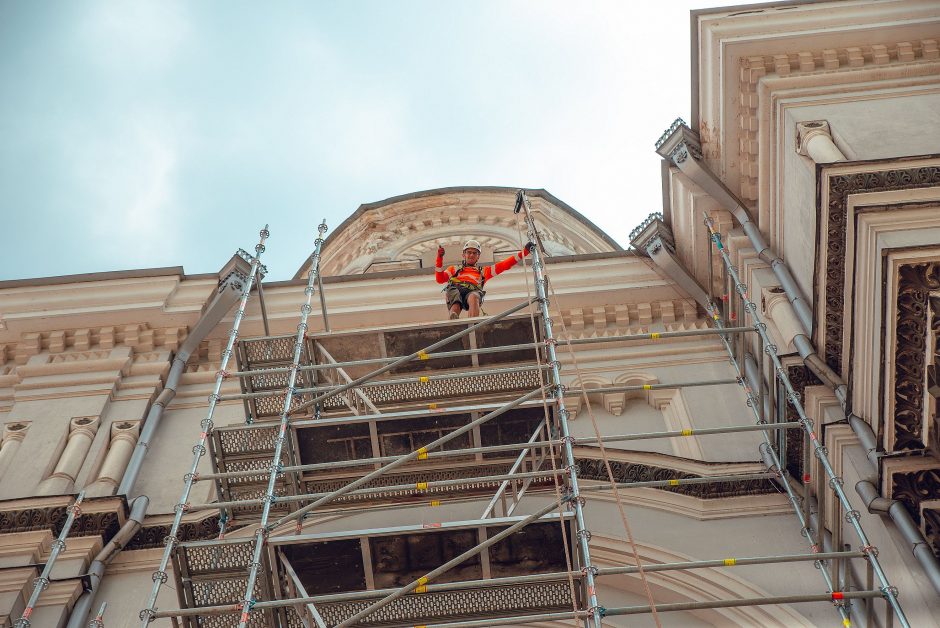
(852, 516)
(42, 582)
(199, 449)
(262, 532)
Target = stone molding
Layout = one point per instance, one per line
(412, 226)
(834, 189)
(918, 319)
(76, 345)
(740, 51)
(99, 517)
(915, 482)
(754, 69)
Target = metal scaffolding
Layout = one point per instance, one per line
(199, 449)
(58, 545)
(852, 516)
(280, 598)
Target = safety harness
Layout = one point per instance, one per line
(473, 286)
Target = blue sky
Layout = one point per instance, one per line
(145, 134)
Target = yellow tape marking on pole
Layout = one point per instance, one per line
(422, 355)
(422, 582)
(424, 379)
(846, 623)
(687, 432)
(421, 486)
(423, 453)
(655, 335)
(432, 406)
(434, 503)
(647, 387)
(731, 562)
(673, 482)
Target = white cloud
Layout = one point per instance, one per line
(139, 34)
(130, 180)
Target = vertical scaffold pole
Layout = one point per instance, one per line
(555, 374)
(852, 515)
(199, 449)
(42, 582)
(770, 456)
(98, 621)
(262, 533)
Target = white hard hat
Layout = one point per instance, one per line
(472, 244)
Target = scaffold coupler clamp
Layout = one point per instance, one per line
(594, 571)
(148, 615)
(838, 599)
(890, 591)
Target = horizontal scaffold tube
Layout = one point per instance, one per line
(495, 478)
(414, 356)
(451, 453)
(417, 454)
(422, 379)
(835, 596)
(501, 349)
(513, 580)
(412, 486)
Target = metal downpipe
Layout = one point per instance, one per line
(225, 298)
(894, 509)
(85, 602)
(703, 177)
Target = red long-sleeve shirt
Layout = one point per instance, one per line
(470, 274)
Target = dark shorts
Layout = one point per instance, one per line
(459, 294)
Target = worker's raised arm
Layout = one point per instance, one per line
(442, 275)
(491, 271)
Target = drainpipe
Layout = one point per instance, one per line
(84, 603)
(230, 286)
(906, 526)
(680, 146)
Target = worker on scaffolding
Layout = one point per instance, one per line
(464, 289)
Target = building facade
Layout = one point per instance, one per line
(811, 153)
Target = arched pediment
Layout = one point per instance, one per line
(405, 231)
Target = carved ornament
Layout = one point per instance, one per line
(912, 355)
(840, 188)
(594, 469)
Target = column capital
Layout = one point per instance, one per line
(805, 131)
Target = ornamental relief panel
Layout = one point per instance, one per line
(913, 422)
(834, 220)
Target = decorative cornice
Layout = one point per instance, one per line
(678, 122)
(88, 343)
(755, 68)
(625, 471)
(99, 517)
(151, 536)
(654, 227)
